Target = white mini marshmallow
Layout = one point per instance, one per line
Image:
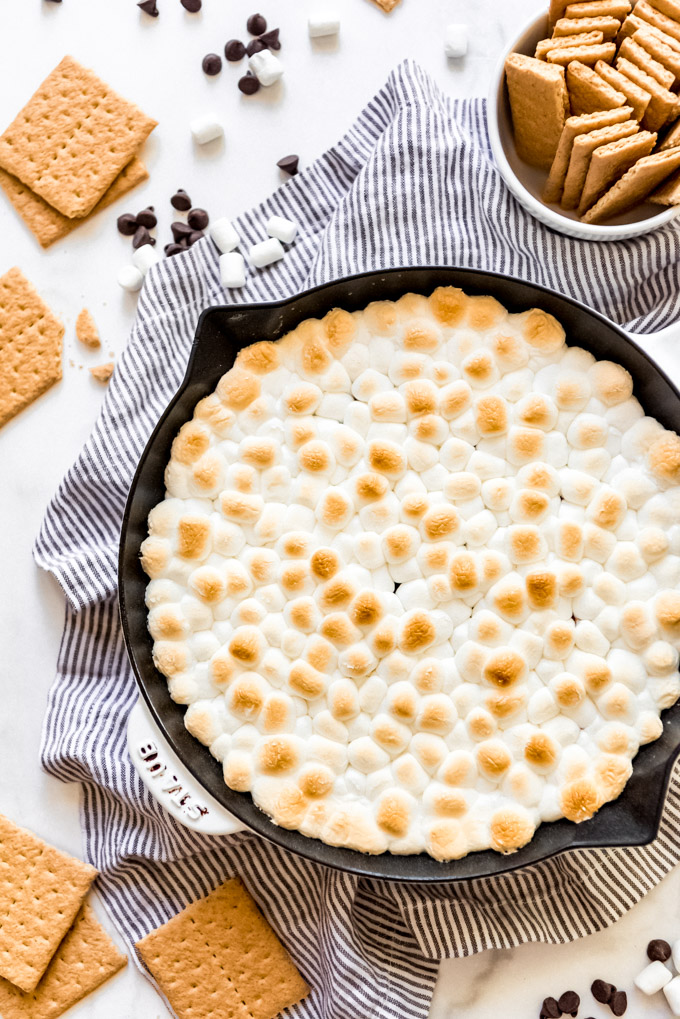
(323, 20)
(456, 40)
(281, 228)
(672, 992)
(130, 278)
(265, 252)
(144, 257)
(206, 129)
(266, 67)
(224, 235)
(653, 978)
(232, 270)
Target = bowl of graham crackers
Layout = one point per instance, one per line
(584, 117)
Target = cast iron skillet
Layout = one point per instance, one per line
(631, 820)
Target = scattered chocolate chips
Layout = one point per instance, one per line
(289, 164)
(194, 236)
(256, 24)
(550, 1009)
(147, 218)
(149, 7)
(127, 224)
(658, 950)
(618, 1002)
(198, 219)
(173, 249)
(192, 6)
(181, 201)
(234, 50)
(212, 64)
(254, 46)
(248, 84)
(271, 39)
(602, 991)
(142, 236)
(180, 231)
(569, 1002)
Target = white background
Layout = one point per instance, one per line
(157, 63)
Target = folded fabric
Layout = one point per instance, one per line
(412, 183)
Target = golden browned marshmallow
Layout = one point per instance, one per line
(484, 312)
(366, 609)
(370, 487)
(389, 734)
(170, 657)
(663, 458)
(509, 598)
(435, 559)
(262, 566)
(504, 668)
(167, 622)
(386, 458)
(541, 752)
(383, 639)
(260, 358)
(313, 356)
(191, 442)
(536, 411)
(572, 391)
(541, 589)
(479, 368)
(402, 702)
(587, 431)
(302, 398)
(247, 695)
(638, 627)
(339, 629)
(611, 383)
(454, 399)
(667, 609)
(316, 780)
(238, 388)
(400, 543)
(305, 681)
(427, 676)
(238, 771)
(220, 418)
(541, 331)
(321, 654)
(421, 397)
(430, 428)
(193, 536)
(413, 507)
(302, 614)
(607, 509)
(579, 800)
(340, 327)
(492, 566)
(277, 754)
(343, 700)
(570, 580)
(316, 457)
(493, 759)
(525, 544)
(503, 705)
(336, 594)
(510, 351)
(222, 668)
(525, 445)
(529, 505)
(422, 338)
(459, 769)
(154, 556)
(381, 317)
(463, 573)
(389, 406)
(299, 431)
(448, 305)
(449, 803)
(541, 476)
(393, 814)
(208, 583)
(244, 478)
(335, 509)
(440, 523)
(260, 453)
(241, 507)
(491, 415)
(559, 639)
(510, 830)
(598, 543)
(247, 646)
(568, 690)
(417, 633)
(208, 472)
(653, 543)
(436, 714)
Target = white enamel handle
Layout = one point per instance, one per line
(168, 780)
(664, 348)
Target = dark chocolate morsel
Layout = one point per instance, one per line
(254, 46)
(618, 1002)
(180, 230)
(289, 164)
(180, 201)
(248, 84)
(194, 236)
(198, 219)
(173, 249)
(550, 1009)
(658, 950)
(212, 64)
(234, 50)
(271, 39)
(569, 1002)
(142, 236)
(149, 7)
(147, 218)
(256, 24)
(192, 6)
(127, 224)
(602, 991)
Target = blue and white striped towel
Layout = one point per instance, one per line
(413, 182)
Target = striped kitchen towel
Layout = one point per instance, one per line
(412, 182)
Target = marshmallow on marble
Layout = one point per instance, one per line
(224, 235)
(653, 977)
(232, 270)
(267, 68)
(672, 992)
(323, 21)
(144, 257)
(281, 228)
(206, 129)
(130, 278)
(456, 40)
(266, 252)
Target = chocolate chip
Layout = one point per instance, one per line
(198, 219)
(149, 7)
(180, 200)
(569, 1002)
(173, 249)
(142, 236)
(212, 64)
(289, 164)
(147, 217)
(658, 950)
(550, 1009)
(618, 1002)
(271, 39)
(194, 236)
(602, 991)
(254, 46)
(180, 231)
(248, 84)
(234, 50)
(127, 224)
(256, 24)
(192, 6)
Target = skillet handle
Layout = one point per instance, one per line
(169, 782)
(664, 348)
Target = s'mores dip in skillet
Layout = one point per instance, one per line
(416, 574)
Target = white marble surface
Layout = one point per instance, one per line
(157, 63)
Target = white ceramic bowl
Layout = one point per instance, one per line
(526, 182)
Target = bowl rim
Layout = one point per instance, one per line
(538, 209)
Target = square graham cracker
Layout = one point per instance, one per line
(574, 26)
(631, 49)
(588, 55)
(609, 162)
(572, 129)
(598, 9)
(581, 153)
(653, 42)
(646, 12)
(635, 185)
(670, 139)
(588, 92)
(41, 888)
(636, 97)
(539, 104)
(85, 959)
(30, 362)
(662, 102)
(220, 959)
(72, 139)
(670, 8)
(544, 46)
(668, 193)
(46, 223)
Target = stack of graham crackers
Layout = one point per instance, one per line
(71, 151)
(53, 951)
(598, 106)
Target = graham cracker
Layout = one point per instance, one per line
(72, 139)
(574, 127)
(386, 5)
(229, 962)
(635, 185)
(41, 888)
(630, 26)
(86, 330)
(586, 39)
(574, 26)
(588, 93)
(671, 8)
(47, 224)
(670, 139)
(588, 55)
(102, 372)
(661, 51)
(30, 362)
(636, 97)
(609, 162)
(599, 9)
(556, 12)
(662, 102)
(581, 153)
(84, 960)
(647, 13)
(633, 51)
(539, 105)
(668, 193)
